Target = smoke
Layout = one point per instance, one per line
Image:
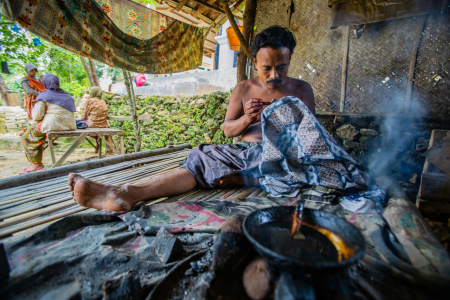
(395, 149)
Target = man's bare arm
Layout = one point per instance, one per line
(308, 97)
(238, 119)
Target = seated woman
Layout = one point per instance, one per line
(95, 114)
(54, 110)
(32, 87)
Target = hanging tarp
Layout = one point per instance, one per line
(119, 33)
(134, 19)
(356, 12)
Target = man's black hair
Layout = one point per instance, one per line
(273, 37)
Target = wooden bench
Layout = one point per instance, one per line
(83, 134)
(434, 192)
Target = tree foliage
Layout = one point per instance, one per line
(19, 46)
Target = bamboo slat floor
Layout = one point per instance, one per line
(28, 208)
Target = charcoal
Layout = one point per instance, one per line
(126, 286)
(71, 291)
(167, 246)
(230, 249)
(289, 288)
(200, 265)
(4, 265)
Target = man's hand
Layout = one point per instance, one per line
(253, 109)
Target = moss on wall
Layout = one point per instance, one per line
(173, 120)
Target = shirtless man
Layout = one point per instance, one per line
(271, 51)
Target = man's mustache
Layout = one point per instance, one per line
(274, 81)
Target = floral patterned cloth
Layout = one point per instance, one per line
(134, 19)
(117, 33)
(95, 113)
(33, 141)
(53, 117)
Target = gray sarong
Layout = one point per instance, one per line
(210, 163)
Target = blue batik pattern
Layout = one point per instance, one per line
(299, 152)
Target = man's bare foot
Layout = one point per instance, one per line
(238, 180)
(92, 194)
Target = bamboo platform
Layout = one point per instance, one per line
(28, 208)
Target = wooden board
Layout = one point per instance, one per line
(439, 155)
(434, 192)
(435, 187)
(436, 137)
(433, 207)
(90, 132)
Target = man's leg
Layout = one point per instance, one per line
(89, 193)
(239, 180)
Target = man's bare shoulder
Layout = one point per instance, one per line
(245, 84)
(241, 89)
(299, 84)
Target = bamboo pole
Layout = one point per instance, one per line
(34, 177)
(138, 175)
(131, 101)
(236, 28)
(40, 220)
(91, 174)
(412, 64)
(247, 31)
(94, 179)
(36, 213)
(344, 68)
(123, 179)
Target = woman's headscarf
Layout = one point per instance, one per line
(55, 94)
(28, 68)
(96, 92)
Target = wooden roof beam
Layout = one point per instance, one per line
(215, 8)
(180, 5)
(202, 8)
(220, 18)
(188, 10)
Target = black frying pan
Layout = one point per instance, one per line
(349, 234)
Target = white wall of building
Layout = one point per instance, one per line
(226, 55)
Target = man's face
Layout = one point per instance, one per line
(272, 65)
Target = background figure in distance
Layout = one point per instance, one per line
(140, 80)
(53, 111)
(96, 115)
(32, 87)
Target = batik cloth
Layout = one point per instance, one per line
(96, 113)
(298, 153)
(53, 117)
(32, 89)
(33, 141)
(210, 163)
(110, 32)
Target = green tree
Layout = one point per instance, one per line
(15, 47)
(18, 47)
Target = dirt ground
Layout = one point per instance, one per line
(13, 160)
